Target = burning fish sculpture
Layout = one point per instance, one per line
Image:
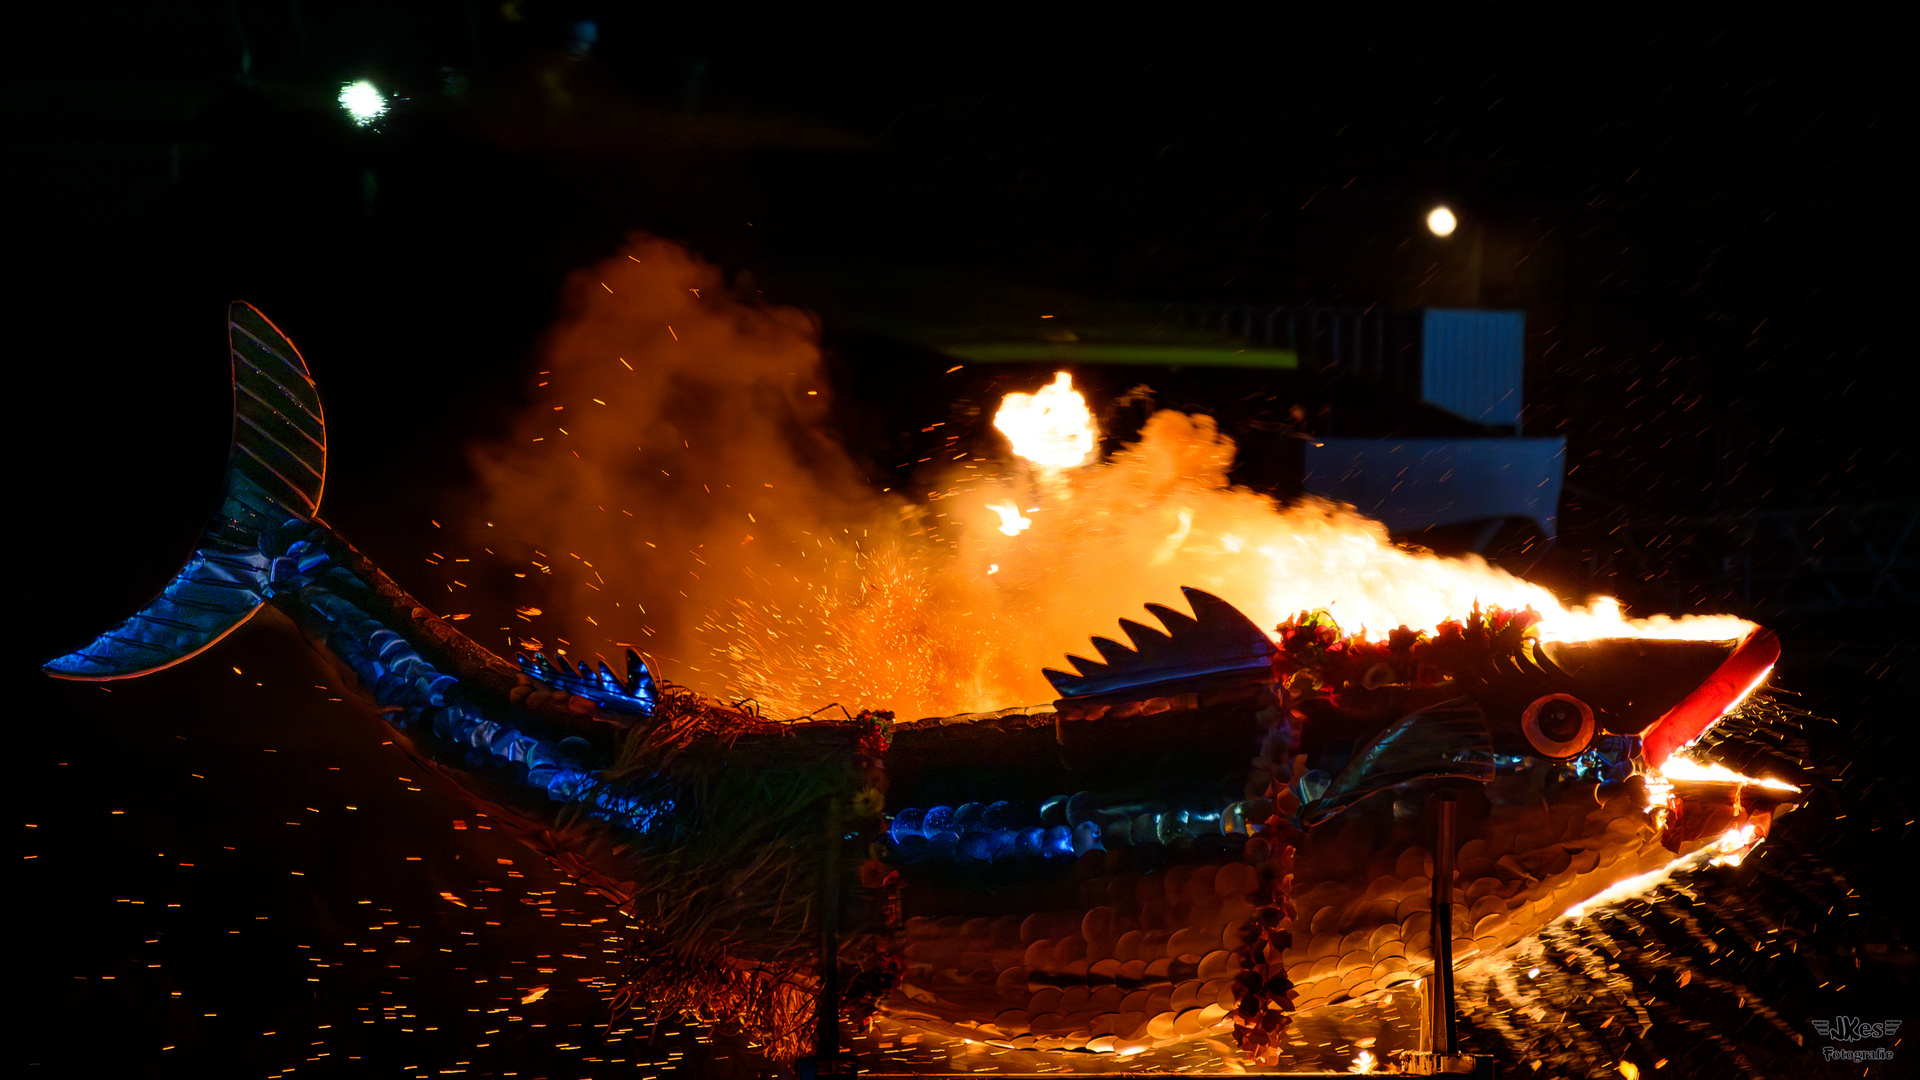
(1210, 830)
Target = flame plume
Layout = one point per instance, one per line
(677, 453)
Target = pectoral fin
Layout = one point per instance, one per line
(1448, 740)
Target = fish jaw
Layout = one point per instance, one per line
(1362, 930)
(1732, 817)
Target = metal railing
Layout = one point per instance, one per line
(1366, 342)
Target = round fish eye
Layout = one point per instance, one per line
(1559, 726)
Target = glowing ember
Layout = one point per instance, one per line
(1363, 1062)
(1052, 428)
(1011, 521)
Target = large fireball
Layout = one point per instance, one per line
(1053, 428)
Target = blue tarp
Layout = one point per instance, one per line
(1413, 484)
(1472, 363)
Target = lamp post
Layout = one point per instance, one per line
(1442, 222)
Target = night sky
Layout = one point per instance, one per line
(1705, 222)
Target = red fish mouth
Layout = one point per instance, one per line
(1709, 804)
(1669, 694)
(1739, 675)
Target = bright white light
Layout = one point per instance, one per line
(1680, 767)
(1052, 428)
(1441, 221)
(1012, 522)
(363, 102)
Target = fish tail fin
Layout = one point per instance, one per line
(276, 470)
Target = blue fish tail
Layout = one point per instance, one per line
(276, 470)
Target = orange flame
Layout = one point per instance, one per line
(1052, 428)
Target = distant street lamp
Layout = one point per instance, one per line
(1442, 222)
(363, 102)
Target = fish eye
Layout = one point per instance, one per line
(1559, 726)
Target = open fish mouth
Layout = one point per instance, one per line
(1696, 803)
(1668, 693)
(1707, 801)
(1731, 683)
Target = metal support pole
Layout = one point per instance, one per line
(826, 1043)
(1425, 1044)
(1447, 1039)
(826, 1059)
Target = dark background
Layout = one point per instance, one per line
(1706, 223)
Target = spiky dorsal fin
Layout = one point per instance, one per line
(1216, 640)
(634, 694)
(276, 469)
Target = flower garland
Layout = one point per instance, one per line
(1317, 664)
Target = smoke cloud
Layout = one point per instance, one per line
(674, 460)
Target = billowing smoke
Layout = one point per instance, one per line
(674, 460)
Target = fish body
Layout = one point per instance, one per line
(1211, 891)
(1208, 831)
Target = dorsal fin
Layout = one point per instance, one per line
(1112, 652)
(1216, 640)
(635, 694)
(1085, 666)
(1145, 638)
